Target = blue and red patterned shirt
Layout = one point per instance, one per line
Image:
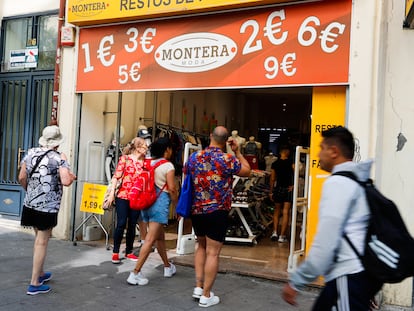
(212, 173)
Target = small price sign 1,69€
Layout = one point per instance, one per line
(92, 198)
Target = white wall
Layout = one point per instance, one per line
(396, 179)
(380, 106)
(21, 7)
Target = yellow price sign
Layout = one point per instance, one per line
(92, 198)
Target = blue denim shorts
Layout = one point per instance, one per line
(159, 211)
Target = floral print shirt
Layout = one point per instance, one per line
(212, 173)
(126, 170)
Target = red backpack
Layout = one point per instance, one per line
(143, 193)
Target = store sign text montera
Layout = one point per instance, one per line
(196, 52)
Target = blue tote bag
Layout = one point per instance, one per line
(185, 201)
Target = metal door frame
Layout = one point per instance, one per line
(300, 205)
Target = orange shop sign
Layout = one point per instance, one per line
(306, 44)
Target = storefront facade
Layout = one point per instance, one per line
(354, 57)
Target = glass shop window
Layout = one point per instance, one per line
(29, 43)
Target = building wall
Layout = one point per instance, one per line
(395, 120)
(12, 8)
(380, 106)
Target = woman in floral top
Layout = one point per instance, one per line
(129, 166)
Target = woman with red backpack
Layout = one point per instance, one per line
(156, 216)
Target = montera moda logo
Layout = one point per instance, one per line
(195, 52)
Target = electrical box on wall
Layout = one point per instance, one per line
(67, 37)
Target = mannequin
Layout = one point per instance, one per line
(252, 147)
(269, 159)
(144, 133)
(110, 164)
(240, 140)
(252, 152)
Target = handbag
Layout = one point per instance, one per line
(185, 201)
(106, 206)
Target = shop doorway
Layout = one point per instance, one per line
(270, 116)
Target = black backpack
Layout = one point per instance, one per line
(389, 248)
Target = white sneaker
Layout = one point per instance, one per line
(170, 271)
(197, 292)
(274, 236)
(282, 239)
(137, 279)
(206, 302)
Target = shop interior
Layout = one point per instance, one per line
(265, 118)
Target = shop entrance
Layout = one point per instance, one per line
(271, 117)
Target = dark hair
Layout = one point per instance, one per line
(284, 147)
(342, 138)
(159, 146)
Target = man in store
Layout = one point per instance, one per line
(212, 171)
(343, 209)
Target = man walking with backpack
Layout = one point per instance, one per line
(343, 210)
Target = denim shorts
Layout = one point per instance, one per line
(159, 211)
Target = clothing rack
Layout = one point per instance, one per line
(167, 127)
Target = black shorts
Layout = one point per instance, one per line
(39, 220)
(282, 194)
(213, 225)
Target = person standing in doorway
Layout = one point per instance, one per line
(343, 209)
(129, 167)
(212, 171)
(281, 192)
(156, 216)
(43, 173)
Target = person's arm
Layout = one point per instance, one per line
(272, 182)
(66, 176)
(118, 174)
(335, 202)
(172, 188)
(23, 176)
(245, 166)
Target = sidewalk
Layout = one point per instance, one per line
(85, 279)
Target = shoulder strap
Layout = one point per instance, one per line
(162, 161)
(39, 159)
(348, 174)
(352, 176)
